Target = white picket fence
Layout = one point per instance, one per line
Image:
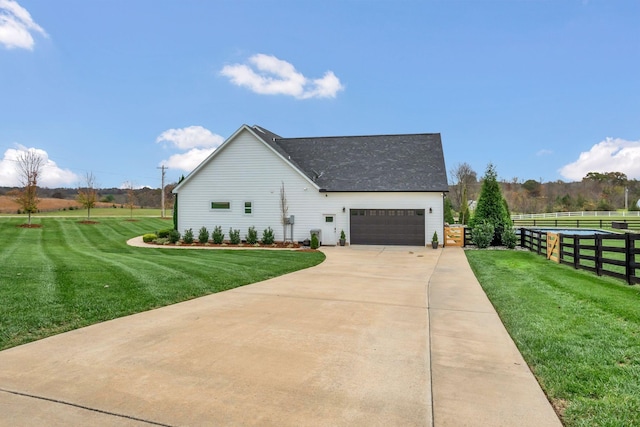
(577, 214)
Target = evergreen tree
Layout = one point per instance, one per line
(448, 212)
(464, 208)
(491, 207)
(175, 207)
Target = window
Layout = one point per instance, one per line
(328, 219)
(248, 208)
(221, 205)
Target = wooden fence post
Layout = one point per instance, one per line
(628, 257)
(598, 254)
(576, 253)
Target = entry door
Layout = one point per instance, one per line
(328, 230)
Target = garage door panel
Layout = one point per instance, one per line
(387, 226)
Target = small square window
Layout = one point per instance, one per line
(328, 219)
(248, 208)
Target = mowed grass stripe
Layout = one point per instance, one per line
(87, 274)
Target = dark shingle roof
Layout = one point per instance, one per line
(411, 162)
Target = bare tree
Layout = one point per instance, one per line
(30, 164)
(463, 178)
(284, 209)
(131, 196)
(88, 195)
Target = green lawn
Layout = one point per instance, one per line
(67, 275)
(579, 333)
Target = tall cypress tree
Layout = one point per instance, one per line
(491, 205)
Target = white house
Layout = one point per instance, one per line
(379, 189)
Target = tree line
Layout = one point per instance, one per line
(29, 167)
(597, 191)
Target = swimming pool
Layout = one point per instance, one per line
(572, 231)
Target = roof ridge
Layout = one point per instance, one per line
(359, 136)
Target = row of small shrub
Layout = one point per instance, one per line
(217, 236)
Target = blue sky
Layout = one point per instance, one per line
(542, 89)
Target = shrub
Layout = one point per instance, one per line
(491, 207)
(174, 236)
(188, 236)
(164, 232)
(267, 236)
(482, 234)
(234, 236)
(203, 235)
(509, 237)
(315, 243)
(217, 236)
(149, 237)
(252, 236)
(162, 240)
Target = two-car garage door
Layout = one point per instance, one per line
(387, 227)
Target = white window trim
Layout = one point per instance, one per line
(219, 209)
(244, 207)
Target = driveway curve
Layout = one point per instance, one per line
(373, 336)
(342, 343)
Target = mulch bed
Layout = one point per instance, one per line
(29, 225)
(86, 221)
(279, 245)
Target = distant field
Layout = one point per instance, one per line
(60, 207)
(108, 212)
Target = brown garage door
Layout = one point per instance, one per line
(387, 227)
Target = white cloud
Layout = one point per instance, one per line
(52, 175)
(269, 75)
(189, 160)
(17, 26)
(544, 152)
(191, 137)
(199, 141)
(610, 155)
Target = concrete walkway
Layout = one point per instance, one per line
(373, 336)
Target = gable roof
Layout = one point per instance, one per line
(368, 163)
(401, 163)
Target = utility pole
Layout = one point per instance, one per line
(626, 198)
(164, 169)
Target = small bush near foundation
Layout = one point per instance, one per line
(315, 243)
(234, 236)
(164, 233)
(267, 236)
(203, 235)
(174, 236)
(217, 236)
(149, 237)
(252, 236)
(188, 236)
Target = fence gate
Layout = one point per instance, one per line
(454, 236)
(553, 247)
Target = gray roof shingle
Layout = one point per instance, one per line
(394, 163)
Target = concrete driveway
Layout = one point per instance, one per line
(346, 343)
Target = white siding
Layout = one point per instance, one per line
(247, 170)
